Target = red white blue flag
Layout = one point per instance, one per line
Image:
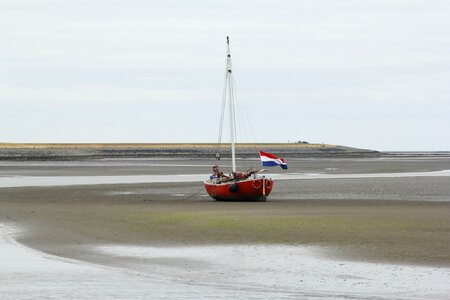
(269, 160)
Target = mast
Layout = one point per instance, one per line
(232, 110)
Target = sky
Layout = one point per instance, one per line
(367, 74)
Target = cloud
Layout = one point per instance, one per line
(340, 71)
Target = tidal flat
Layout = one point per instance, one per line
(378, 230)
(398, 221)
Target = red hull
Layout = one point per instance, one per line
(243, 190)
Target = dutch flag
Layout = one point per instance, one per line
(269, 160)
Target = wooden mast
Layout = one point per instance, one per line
(232, 108)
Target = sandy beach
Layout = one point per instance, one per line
(377, 220)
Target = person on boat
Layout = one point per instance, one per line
(218, 175)
(246, 174)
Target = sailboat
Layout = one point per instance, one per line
(238, 186)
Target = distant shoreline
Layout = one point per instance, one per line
(85, 151)
(89, 151)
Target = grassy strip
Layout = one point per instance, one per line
(151, 145)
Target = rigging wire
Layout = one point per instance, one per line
(243, 118)
(222, 112)
(247, 121)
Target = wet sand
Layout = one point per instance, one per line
(210, 272)
(399, 220)
(389, 228)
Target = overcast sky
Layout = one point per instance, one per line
(369, 74)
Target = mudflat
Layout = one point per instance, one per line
(397, 219)
(58, 218)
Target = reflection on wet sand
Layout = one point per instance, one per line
(232, 271)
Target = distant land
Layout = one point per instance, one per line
(84, 151)
(76, 151)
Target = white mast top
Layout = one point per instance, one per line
(232, 110)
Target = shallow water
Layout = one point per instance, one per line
(125, 167)
(219, 272)
(29, 274)
(23, 181)
(305, 271)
